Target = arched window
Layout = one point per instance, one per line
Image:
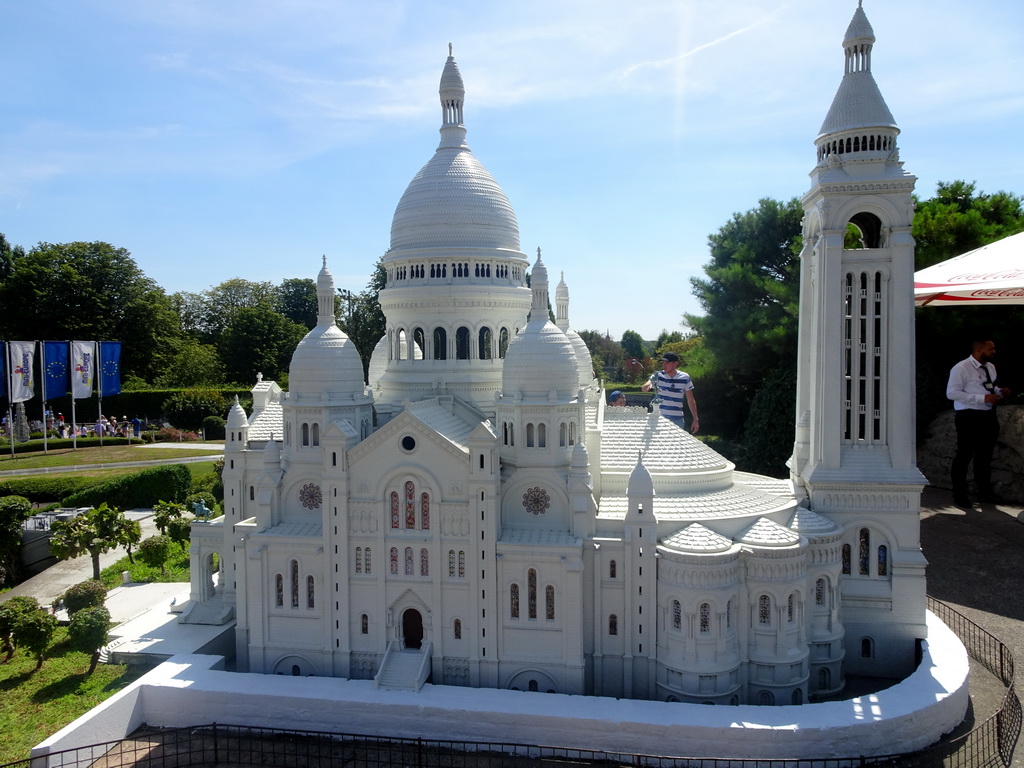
(613, 625)
(364, 624)
(705, 618)
(549, 602)
(484, 344)
(310, 587)
(440, 344)
(791, 608)
(359, 559)
(408, 561)
(728, 615)
(611, 569)
(316, 434)
(824, 679)
(368, 568)
(394, 510)
(765, 699)
(846, 559)
(425, 511)
(542, 435)
(420, 340)
(864, 552)
(677, 615)
(462, 343)
(279, 591)
(797, 697)
(530, 439)
(883, 560)
(764, 610)
(457, 629)
(305, 434)
(563, 435)
(531, 593)
(462, 564)
(502, 342)
(867, 648)
(252, 493)
(451, 563)
(513, 599)
(424, 562)
(410, 504)
(819, 592)
(295, 583)
(394, 561)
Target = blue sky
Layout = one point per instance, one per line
(245, 138)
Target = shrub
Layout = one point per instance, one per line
(42, 490)
(154, 551)
(175, 435)
(187, 409)
(141, 489)
(88, 632)
(10, 612)
(180, 531)
(164, 512)
(213, 428)
(13, 512)
(87, 594)
(204, 496)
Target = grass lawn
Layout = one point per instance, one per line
(67, 457)
(177, 570)
(36, 704)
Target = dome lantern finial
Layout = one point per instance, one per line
(453, 96)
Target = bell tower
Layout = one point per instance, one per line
(854, 455)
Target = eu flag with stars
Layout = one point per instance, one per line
(56, 374)
(110, 368)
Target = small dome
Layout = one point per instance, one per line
(640, 481)
(236, 416)
(378, 361)
(584, 361)
(540, 361)
(326, 362)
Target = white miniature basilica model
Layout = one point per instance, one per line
(475, 515)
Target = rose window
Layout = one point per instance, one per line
(310, 496)
(536, 501)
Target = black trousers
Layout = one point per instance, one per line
(976, 435)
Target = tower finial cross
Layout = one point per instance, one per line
(449, 50)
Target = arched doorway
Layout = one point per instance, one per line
(412, 628)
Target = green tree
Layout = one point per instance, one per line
(179, 530)
(88, 291)
(14, 510)
(751, 291)
(86, 594)
(633, 344)
(7, 256)
(10, 611)
(166, 511)
(88, 632)
(606, 353)
(155, 550)
(259, 341)
(94, 532)
(33, 631)
(190, 363)
(296, 300)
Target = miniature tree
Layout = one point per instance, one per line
(9, 614)
(88, 632)
(87, 594)
(166, 511)
(96, 531)
(33, 631)
(155, 551)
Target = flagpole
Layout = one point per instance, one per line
(99, 388)
(10, 399)
(41, 354)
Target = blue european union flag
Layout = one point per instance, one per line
(56, 374)
(110, 368)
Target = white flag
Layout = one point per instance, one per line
(83, 368)
(23, 378)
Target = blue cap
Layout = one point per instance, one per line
(615, 395)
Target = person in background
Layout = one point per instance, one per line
(673, 386)
(972, 388)
(617, 397)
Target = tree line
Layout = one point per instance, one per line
(223, 335)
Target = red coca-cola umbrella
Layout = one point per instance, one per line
(992, 274)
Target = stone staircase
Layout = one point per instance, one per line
(404, 669)
(212, 612)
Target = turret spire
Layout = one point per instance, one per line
(453, 96)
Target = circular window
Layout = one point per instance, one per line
(536, 500)
(408, 443)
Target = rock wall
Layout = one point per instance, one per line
(935, 454)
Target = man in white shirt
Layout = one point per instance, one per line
(972, 388)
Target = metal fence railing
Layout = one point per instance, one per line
(991, 743)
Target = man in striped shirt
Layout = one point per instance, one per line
(672, 385)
